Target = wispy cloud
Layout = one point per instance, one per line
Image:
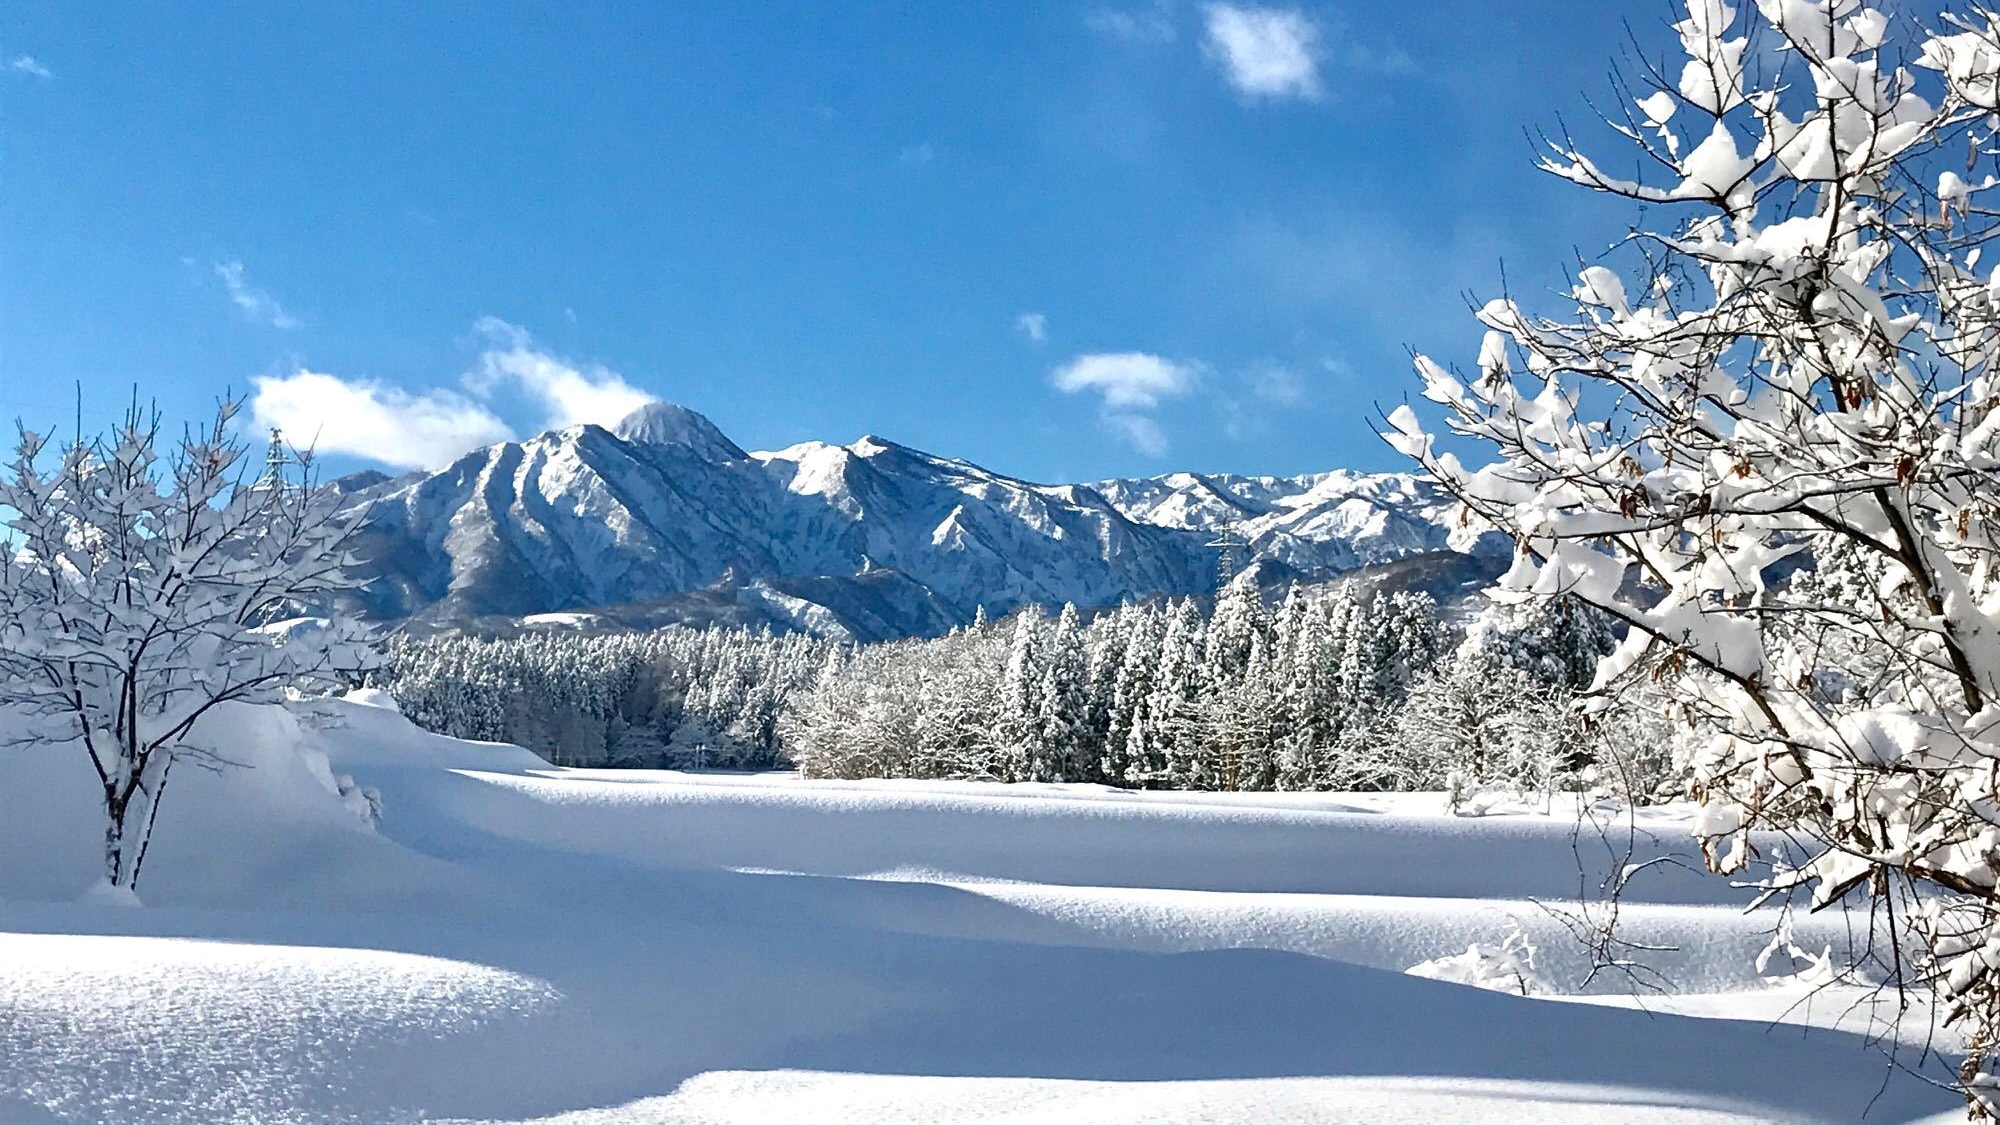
(1033, 325)
(1140, 432)
(255, 302)
(1276, 384)
(29, 66)
(1380, 60)
(1255, 395)
(1270, 53)
(1148, 24)
(570, 393)
(379, 423)
(1129, 384)
(917, 154)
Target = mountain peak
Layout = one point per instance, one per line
(667, 423)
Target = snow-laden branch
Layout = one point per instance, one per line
(1773, 450)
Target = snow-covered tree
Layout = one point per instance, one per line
(138, 592)
(1797, 353)
(1061, 730)
(1477, 723)
(620, 699)
(1244, 727)
(1173, 715)
(1557, 641)
(1019, 723)
(1125, 752)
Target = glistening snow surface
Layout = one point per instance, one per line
(524, 944)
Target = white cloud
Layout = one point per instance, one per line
(1125, 379)
(570, 395)
(252, 300)
(1266, 52)
(365, 419)
(917, 154)
(1129, 383)
(430, 428)
(1140, 432)
(1033, 325)
(29, 66)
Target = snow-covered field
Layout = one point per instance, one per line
(517, 943)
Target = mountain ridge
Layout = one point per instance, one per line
(663, 519)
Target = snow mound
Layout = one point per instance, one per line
(90, 1022)
(106, 893)
(373, 697)
(521, 944)
(264, 817)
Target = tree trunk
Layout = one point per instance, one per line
(115, 807)
(129, 818)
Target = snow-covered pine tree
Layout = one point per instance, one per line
(1020, 718)
(1246, 734)
(1105, 642)
(136, 596)
(1124, 736)
(1173, 708)
(1239, 620)
(1558, 641)
(1058, 740)
(1320, 710)
(1407, 642)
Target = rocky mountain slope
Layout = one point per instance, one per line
(662, 518)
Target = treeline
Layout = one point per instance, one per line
(1344, 691)
(1337, 691)
(674, 698)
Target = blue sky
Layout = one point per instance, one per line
(1064, 240)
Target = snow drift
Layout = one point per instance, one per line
(516, 943)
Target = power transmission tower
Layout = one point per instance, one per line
(277, 462)
(1232, 545)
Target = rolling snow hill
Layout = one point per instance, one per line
(521, 945)
(663, 519)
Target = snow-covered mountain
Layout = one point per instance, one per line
(1318, 524)
(663, 518)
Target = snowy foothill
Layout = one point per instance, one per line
(511, 942)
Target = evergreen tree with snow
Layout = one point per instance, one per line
(1125, 755)
(1057, 750)
(1021, 688)
(1173, 708)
